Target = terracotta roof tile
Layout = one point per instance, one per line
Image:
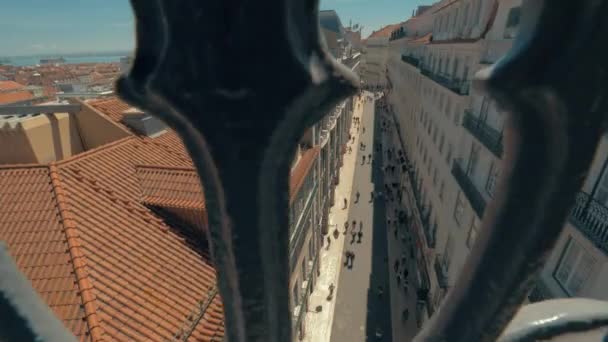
(299, 172)
(17, 96)
(10, 85)
(140, 278)
(32, 228)
(170, 186)
(385, 31)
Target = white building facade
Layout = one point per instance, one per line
(453, 138)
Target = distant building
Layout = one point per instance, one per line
(59, 60)
(333, 32)
(125, 63)
(375, 52)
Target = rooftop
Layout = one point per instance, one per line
(85, 231)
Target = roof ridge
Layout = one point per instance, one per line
(23, 166)
(165, 167)
(76, 256)
(94, 151)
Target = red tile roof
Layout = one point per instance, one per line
(299, 172)
(108, 265)
(171, 187)
(105, 262)
(10, 85)
(385, 31)
(33, 229)
(13, 97)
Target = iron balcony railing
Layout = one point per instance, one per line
(440, 272)
(540, 292)
(301, 230)
(425, 71)
(300, 315)
(410, 60)
(468, 188)
(490, 137)
(458, 86)
(591, 218)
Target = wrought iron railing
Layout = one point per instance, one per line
(458, 86)
(187, 72)
(410, 60)
(591, 218)
(302, 228)
(488, 136)
(440, 272)
(539, 292)
(298, 321)
(478, 203)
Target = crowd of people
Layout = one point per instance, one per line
(397, 219)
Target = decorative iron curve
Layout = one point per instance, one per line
(189, 70)
(240, 110)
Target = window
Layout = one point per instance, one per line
(492, 179)
(440, 101)
(424, 158)
(428, 168)
(428, 129)
(473, 159)
(477, 11)
(435, 176)
(447, 253)
(574, 269)
(514, 16)
(303, 269)
(601, 194)
(448, 158)
(456, 116)
(294, 292)
(448, 107)
(459, 208)
(472, 236)
(441, 141)
(435, 135)
(441, 190)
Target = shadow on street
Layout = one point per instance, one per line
(378, 323)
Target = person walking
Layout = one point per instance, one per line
(328, 242)
(345, 203)
(345, 227)
(369, 158)
(357, 197)
(363, 160)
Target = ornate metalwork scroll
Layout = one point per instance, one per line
(240, 82)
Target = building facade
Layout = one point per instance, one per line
(453, 139)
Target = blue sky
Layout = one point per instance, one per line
(32, 27)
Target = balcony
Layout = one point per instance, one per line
(478, 203)
(458, 86)
(441, 273)
(411, 60)
(591, 219)
(540, 292)
(490, 137)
